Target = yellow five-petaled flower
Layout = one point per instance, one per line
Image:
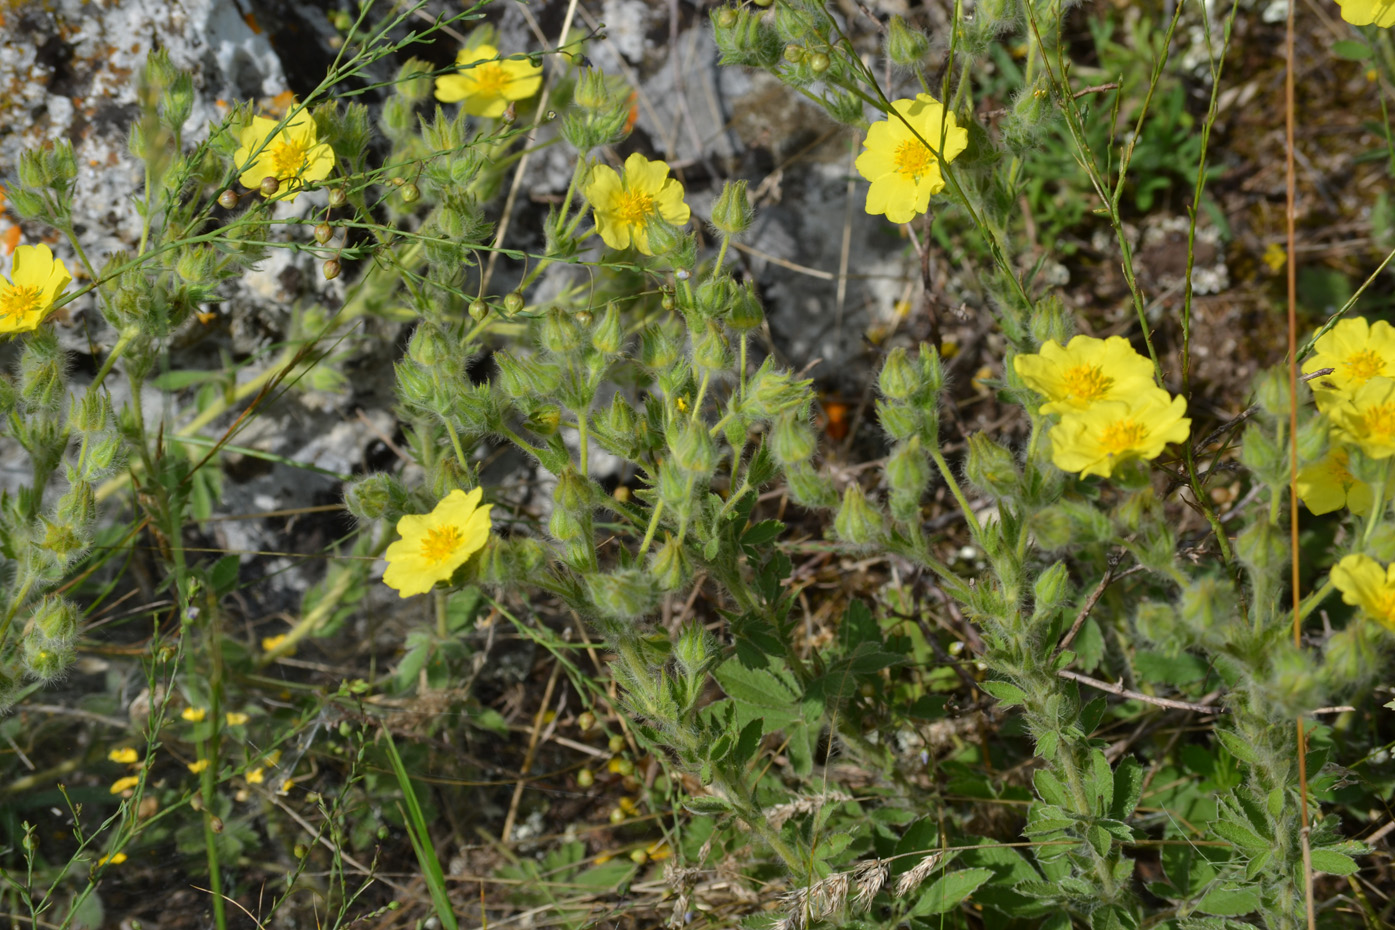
(1094, 441)
(1367, 584)
(1083, 372)
(292, 155)
(1328, 485)
(36, 281)
(1368, 12)
(626, 205)
(1356, 351)
(434, 545)
(486, 83)
(904, 165)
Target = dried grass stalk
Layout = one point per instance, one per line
(912, 879)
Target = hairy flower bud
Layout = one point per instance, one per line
(898, 422)
(710, 348)
(905, 46)
(746, 312)
(524, 377)
(1050, 591)
(793, 439)
(559, 333)
(658, 350)
(907, 470)
(695, 650)
(56, 619)
(991, 467)
(670, 566)
(45, 661)
(429, 346)
(692, 447)
(898, 379)
(624, 594)
(608, 335)
(91, 413)
(1050, 320)
(859, 522)
(733, 214)
(771, 391)
(372, 497)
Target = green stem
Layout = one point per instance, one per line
(959, 497)
(455, 443)
(653, 527)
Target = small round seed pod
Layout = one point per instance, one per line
(411, 193)
(323, 232)
(337, 197)
(478, 310)
(270, 186)
(332, 269)
(228, 199)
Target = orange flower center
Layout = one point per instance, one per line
(440, 544)
(490, 78)
(1087, 382)
(913, 159)
(1123, 436)
(1363, 366)
(19, 301)
(1378, 421)
(288, 157)
(634, 207)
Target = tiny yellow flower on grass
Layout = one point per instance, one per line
(1357, 351)
(434, 545)
(486, 83)
(1365, 583)
(903, 169)
(36, 281)
(125, 784)
(1368, 12)
(1367, 418)
(626, 204)
(293, 156)
(125, 755)
(194, 714)
(197, 767)
(236, 719)
(1328, 485)
(113, 859)
(256, 776)
(1086, 371)
(1094, 441)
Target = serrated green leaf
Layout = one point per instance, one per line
(1328, 860)
(949, 891)
(748, 742)
(755, 686)
(1050, 788)
(1042, 827)
(1046, 745)
(1256, 865)
(1128, 786)
(1005, 691)
(1100, 839)
(1237, 747)
(1229, 902)
(762, 533)
(707, 806)
(1243, 837)
(612, 877)
(1103, 777)
(1157, 667)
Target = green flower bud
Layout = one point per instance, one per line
(1051, 590)
(624, 594)
(376, 495)
(195, 265)
(794, 54)
(658, 350)
(673, 488)
(43, 383)
(513, 303)
(560, 335)
(45, 661)
(1312, 439)
(898, 379)
(898, 421)
(591, 91)
(478, 310)
(337, 197)
(744, 38)
(905, 46)
(608, 336)
(859, 522)
(1262, 455)
(572, 492)
(932, 375)
(410, 193)
(177, 102)
(771, 391)
(1271, 391)
(733, 213)
(844, 108)
(710, 348)
(793, 439)
(670, 566)
(819, 62)
(746, 313)
(714, 296)
(430, 346)
(1049, 320)
(618, 419)
(79, 504)
(695, 650)
(991, 468)
(414, 386)
(907, 470)
(526, 377)
(692, 448)
(724, 18)
(102, 456)
(414, 80)
(545, 420)
(566, 526)
(56, 619)
(91, 413)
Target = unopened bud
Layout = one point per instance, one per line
(269, 186)
(732, 213)
(793, 439)
(56, 619)
(725, 17)
(991, 467)
(692, 448)
(608, 337)
(337, 197)
(858, 521)
(658, 349)
(623, 594)
(898, 379)
(323, 233)
(369, 498)
(794, 54)
(809, 487)
(746, 312)
(905, 46)
(670, 566)
(513, 303)
(907, 470)
(227, 200)
(560, 335)
(710, 348)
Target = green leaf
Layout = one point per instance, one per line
(1229, 902)
(1051, 789)
(1237, 747)
(1275, 803)
(749, 741)
(1242, 837)
(1157, 667)
(1046, 745)
(949, 891)
(1351, 50)
(1005, 691)
(1043, 827)
(755, 686)
(1100, 839)
(1256, 865)
(1104, 781)
(223, 575)
(763, 533)
(1327, 860)
(1128, 786)
(609, 877)
(707, 806)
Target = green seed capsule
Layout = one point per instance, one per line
(819, 62)
(323, 232)
(332, 269)
(228, 199)
(513, 303)
(270, 186)
(337, 197)
(478, 310)
(411, 193)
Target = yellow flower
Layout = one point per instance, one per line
(125, 755)
(194, 714)
(199, 766)
(1085, 372)
(903, 169)
(1357, 352)
(125, 784)
(294, 156)
(1275, 257)
(624, 206)
(113, 859)
(1366, 584)
(272, 643)
(36, 281)
(434, 545)
(1327, 485)
(1367, 12)
(256, 776)
(1093, 441)
(487, 83)
(235, 719)
(286, 787)
(1367, 418)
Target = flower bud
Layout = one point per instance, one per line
(323, 233)
(591, 91)
(898, 422)
(79, 505)
(624, 594)
(102, 455)
(372, 497)
(714, 295)
(618, 419)
(733, 214)
(1049, 320)
(905, 46)
(269, 186)
(932, 375)
(907, 470)
(670, 566)
(227, 200)
(410, 193)
(744, 38)
(695, 650)
(692, 447)
(658, 350)
(1312, 439)
(545, 420)
(724, 18)
(559, 333)
(819, 62)
(478, 310)
(337, 197)
(710, 348)
(56, 619)
(91, 413)
(771, 391)
(990, 467)
(566, 526)
(45, 661)
(858, 522)
(608, 336)
(332, 269)
(513, 303)
(414, 386)
(1271, 391)
(572, 492)
(1262, 455)
(793, 439)
(898, 379)
(1050, 591)
(794, 54)
(429, 346)
(664, 237)
(525, 377)
(746, 312)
